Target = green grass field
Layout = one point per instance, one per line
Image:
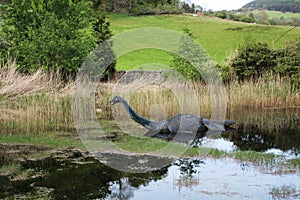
(220, 38)
(278, 14)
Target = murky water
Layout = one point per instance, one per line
(267, 130)
(184, 179)
(205, 178)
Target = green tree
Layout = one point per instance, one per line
(52, 34)
(191, 61)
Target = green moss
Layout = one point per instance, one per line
(53, 139)
(255, 157)
(140, 145)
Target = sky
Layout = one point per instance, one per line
(216, 5)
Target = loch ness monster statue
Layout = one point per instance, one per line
(180, 127)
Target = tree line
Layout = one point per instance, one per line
(142, 7)
(278, 5)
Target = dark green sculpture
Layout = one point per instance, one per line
(181, 127)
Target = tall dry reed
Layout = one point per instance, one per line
(269, 92)
(33, 103)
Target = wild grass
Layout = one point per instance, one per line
(45, 118)
(9, 168)
(140, 145)
(49, 139)
(153, 145)
(270, 91)
(258, 158)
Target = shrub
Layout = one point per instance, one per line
(253, 59)
(247, 19)
(288, 61)
(221, 14)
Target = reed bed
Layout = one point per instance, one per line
(33, 103)
(34, 114)
(267, 94)
(41, 102)
(264, 93)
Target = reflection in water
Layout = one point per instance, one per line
(272, 129)
(187, 167)
(69, 179)
(121, 189)
(188, 172)
(185, 179)
(219, 179)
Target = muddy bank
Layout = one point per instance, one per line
(25, 153)
(21, 165)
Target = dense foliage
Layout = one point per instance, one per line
(143, 7)
(255, 59)
(288, 61)
(52, 34)
(278, 5)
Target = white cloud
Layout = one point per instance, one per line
(221, 4)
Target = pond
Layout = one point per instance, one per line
(184, 179)
(274, 130)
(84, 177)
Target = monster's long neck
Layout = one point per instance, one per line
(139, 119)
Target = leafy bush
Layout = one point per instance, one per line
(253, 59)
(53, 34)
(288, 61)
(247, 19)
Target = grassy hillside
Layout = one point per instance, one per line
(220, 38)
(278, 14)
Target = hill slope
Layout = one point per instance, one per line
(278, 5)
(220, 38)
